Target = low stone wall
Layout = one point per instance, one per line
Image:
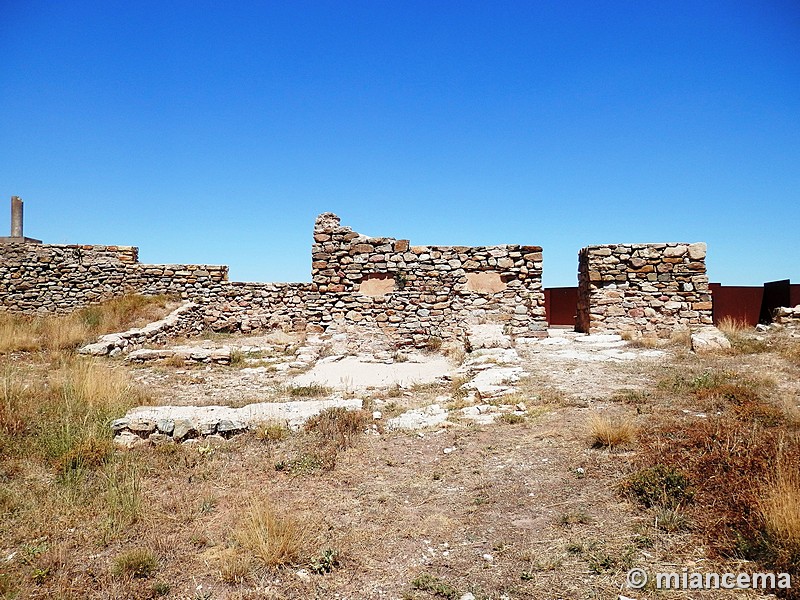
(184, 320)
(643, 289)
(56, 278)
(787, 316)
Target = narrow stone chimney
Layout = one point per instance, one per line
(16, 217)
(17, 234)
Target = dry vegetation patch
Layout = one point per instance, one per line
(731, 468)
(26, 333)
(522, 508)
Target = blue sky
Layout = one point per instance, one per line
(215, 132)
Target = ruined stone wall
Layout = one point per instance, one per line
(407, 289)
(60, 278)
(788, 316)
(643, 289)
(407, 294)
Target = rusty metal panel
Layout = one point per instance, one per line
(794, 294)
(738, 302)
(561, 305)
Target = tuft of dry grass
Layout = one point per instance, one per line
(741, 336)
(780, 511)
(732, 327)
(137, 562)
(271, 537)
(611, 433)
(234, 567)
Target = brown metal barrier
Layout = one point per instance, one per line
(750, 304)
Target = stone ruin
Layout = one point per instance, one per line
(407, 295)
(643, 289)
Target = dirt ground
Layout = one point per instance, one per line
(518, 508)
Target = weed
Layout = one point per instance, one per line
(670, 520)
(123, 499)
(208, 504)
(607, 433)
(433, 344)
(600, 562)
(338, 426)
(305, 463)
(237, 357)
(313, 390)
(159, 588)
(511, 419)
(271, 431)
(234, 567)
(428, 583)
(659, 485)
(137, 562)
(325, 562)
(574, 518)
(627, 396)
(271, 537)
(39, 575)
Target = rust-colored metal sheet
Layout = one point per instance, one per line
(738, 302)
(794, 294)
(561, 305)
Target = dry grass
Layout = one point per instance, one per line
(611, 433)
(26, 333)
(780, 507)
(136, 562)
(742, 337)
(338, 426)
(732, 327)
(71, 508)
(272, 537)
(722, 458)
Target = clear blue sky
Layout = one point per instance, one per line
(215, 132)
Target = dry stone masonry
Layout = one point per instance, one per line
(643, 289)
(415, 292)
(55, 278)
(788, 316)
(383, 290)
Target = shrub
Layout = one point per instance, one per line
(338, 426)
(659, 485)
(138, 562)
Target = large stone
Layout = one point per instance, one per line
(697, 251)
(709, 339)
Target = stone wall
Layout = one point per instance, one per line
(406, 288)
(643, 289)
(788, 316)
(406, 294)
(60, 278)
